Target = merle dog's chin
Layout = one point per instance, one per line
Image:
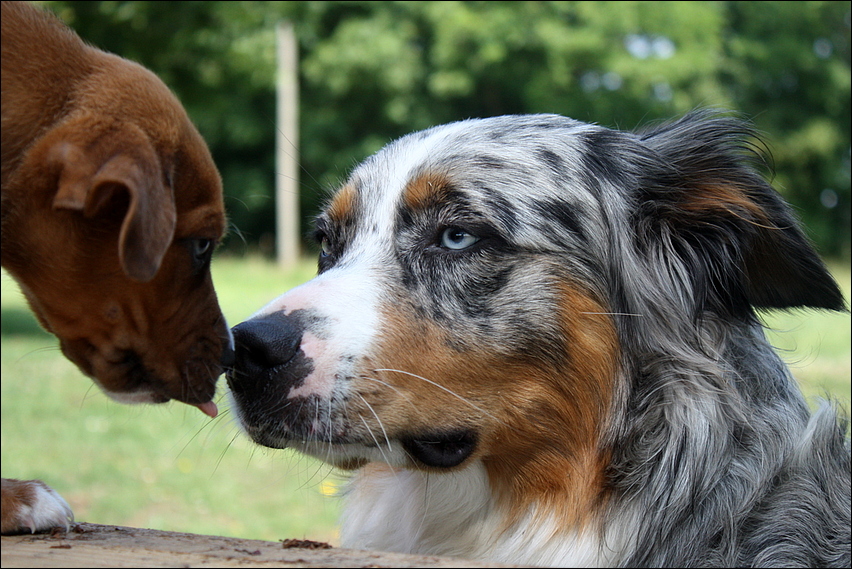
(270, 437)
(433, 450)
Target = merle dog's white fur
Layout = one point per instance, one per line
(712, 455)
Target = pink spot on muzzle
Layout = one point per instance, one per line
(320, 381)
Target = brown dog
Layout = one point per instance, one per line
(111, 209)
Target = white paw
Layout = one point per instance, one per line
(42, 508)
(50, 510)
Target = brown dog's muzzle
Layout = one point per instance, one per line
(187, 375)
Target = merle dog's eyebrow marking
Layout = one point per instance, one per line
(342, 208)
(503, 210)
(427, 190)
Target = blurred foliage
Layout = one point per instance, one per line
(372, 71)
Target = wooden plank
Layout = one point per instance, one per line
(94, 545)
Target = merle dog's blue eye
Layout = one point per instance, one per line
(325, 246)
(456, 239)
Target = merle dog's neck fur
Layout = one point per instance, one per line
(715, 432)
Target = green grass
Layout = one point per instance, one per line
(159, 466)
(815, 344)
(170, 467)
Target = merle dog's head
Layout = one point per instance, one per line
(488, 289)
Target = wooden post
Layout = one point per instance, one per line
(287, 148)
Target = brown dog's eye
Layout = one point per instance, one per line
(201, 251)
(200, 247)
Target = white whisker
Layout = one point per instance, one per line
(613, 313)
(388, 385)
(381, 426)
(451, 392)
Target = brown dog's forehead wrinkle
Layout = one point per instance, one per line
(127, 82)
(204, 221)
(186, 159)
(193, 174)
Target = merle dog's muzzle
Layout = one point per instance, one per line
(268, 363)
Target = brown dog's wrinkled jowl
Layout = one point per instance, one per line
(111, 209)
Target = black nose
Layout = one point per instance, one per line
(228, 358)
(268, 364)
(264, 343)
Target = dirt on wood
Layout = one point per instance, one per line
(93, 545)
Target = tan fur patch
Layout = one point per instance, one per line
(342, 206)
(425, 190)
(539, 427)
(724, 198)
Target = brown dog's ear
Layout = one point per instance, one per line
(88, 180)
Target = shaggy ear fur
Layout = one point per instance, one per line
(705, 203)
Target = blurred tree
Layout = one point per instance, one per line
(219, 59)
(372, 71)
(787, 65)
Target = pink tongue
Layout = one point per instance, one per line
(208, 409)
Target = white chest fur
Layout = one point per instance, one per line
(453, 514)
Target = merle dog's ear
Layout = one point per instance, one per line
(742, 244)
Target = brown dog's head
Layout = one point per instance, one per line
(110, 221)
